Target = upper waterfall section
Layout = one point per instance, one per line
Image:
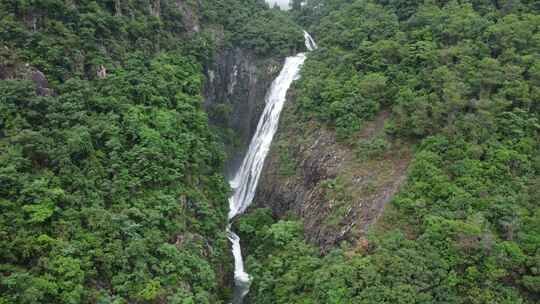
(310, 43)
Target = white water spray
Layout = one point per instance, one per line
(244, 183)
(310, 43)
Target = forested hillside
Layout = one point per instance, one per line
(461, 81)
(111, 178)
(111, 187)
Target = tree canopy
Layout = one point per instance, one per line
(459, 78)
(111, 186)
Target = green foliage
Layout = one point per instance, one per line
(110, 187)
(67, 39)
(460, 78)
(113, 183)
(267, 32)
(270, 32)
(338, 199)
(287, 164)
(373, 148)
(333, 88)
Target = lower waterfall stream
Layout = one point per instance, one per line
(244, 183)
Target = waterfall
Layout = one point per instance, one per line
(310, 43)
(247, 177)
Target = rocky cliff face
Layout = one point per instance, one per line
(336, 189)
(16, 69)
(235, 90)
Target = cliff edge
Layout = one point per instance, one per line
(337, 189)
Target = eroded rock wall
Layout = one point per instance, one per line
(235, 90)
(337, 192)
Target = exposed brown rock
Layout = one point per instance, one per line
(155, 8)
(42, 85)
(11, 67)
(102, 72)
(117, 8)
(39, 79)
(190, 18)
(3, 72)
(337, 194)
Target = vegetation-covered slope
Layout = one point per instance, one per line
(110, 179)
(111, 187)
(461, 79)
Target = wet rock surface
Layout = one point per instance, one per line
(237, 83)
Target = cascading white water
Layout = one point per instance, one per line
(246, 178)
(310, 43)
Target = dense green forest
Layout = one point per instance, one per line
(111, 187)
(461, 79)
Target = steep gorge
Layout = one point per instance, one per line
(428, 111)
(102, 130)
(405, 167)
(237, 81)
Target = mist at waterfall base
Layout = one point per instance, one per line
(244, 183)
